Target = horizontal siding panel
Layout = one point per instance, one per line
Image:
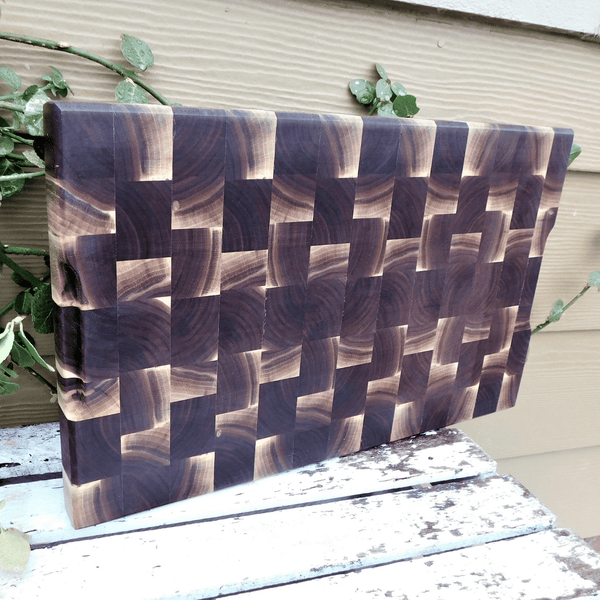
(299, 55)
(566, 482)
(23, 218)
(572, 253)
(32, 404)
(557, 406)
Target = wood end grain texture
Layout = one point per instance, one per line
(230, 309)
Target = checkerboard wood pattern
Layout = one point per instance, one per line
(244, 292)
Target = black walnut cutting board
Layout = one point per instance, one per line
(243, 293)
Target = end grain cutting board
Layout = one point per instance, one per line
(244, 292)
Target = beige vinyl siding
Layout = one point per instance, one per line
(558, 406)
(568, 483)
(299, 55)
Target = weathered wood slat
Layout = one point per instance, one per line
(556, 564)
(38, 507)
(33, 450)
(203, 560)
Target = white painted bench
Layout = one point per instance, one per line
(426, 517)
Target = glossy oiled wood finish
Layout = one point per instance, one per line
(245, 292)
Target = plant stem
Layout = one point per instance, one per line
(25, 251)
(548, 321)
(16, 137)
(8, 307)
(9, 106)
(22, 176)
(24, 273)
(41, 379)
(62, 47)
(24, 162)
(16, 156)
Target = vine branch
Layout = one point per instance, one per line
(64, 47)
(22, 176)
(569, 304)
(24, 273)
(9, 106)
(25, 251)
(16, 137)
(6, 308)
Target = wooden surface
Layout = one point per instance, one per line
(551, 435)
(300, 55)
(446, 455)
(502, 571)
(330, 530)
(241, 293)
(31, 450)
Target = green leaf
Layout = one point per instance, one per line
(375, 106)
(19, 103)
(6, 388)
(383, 90)
(23, 302)
(38, 359)
(382, 72)
(6, 145)
(57, 82)
(7, 337)
(56, 77)
(5, 164)
(2, 504)
(363, 90)
(575, 152)
(10, 77)
(594, 279)
(30, 92)
(33, 158)
(14, 550)
(14, 186)
(398, 89)
(136, 52)
(556, 311)
(34, 113)
(128, 92)
(21, 355)
(406, 106)
(4, 122)
(8, 371)
(385, 110)
(42, 309)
